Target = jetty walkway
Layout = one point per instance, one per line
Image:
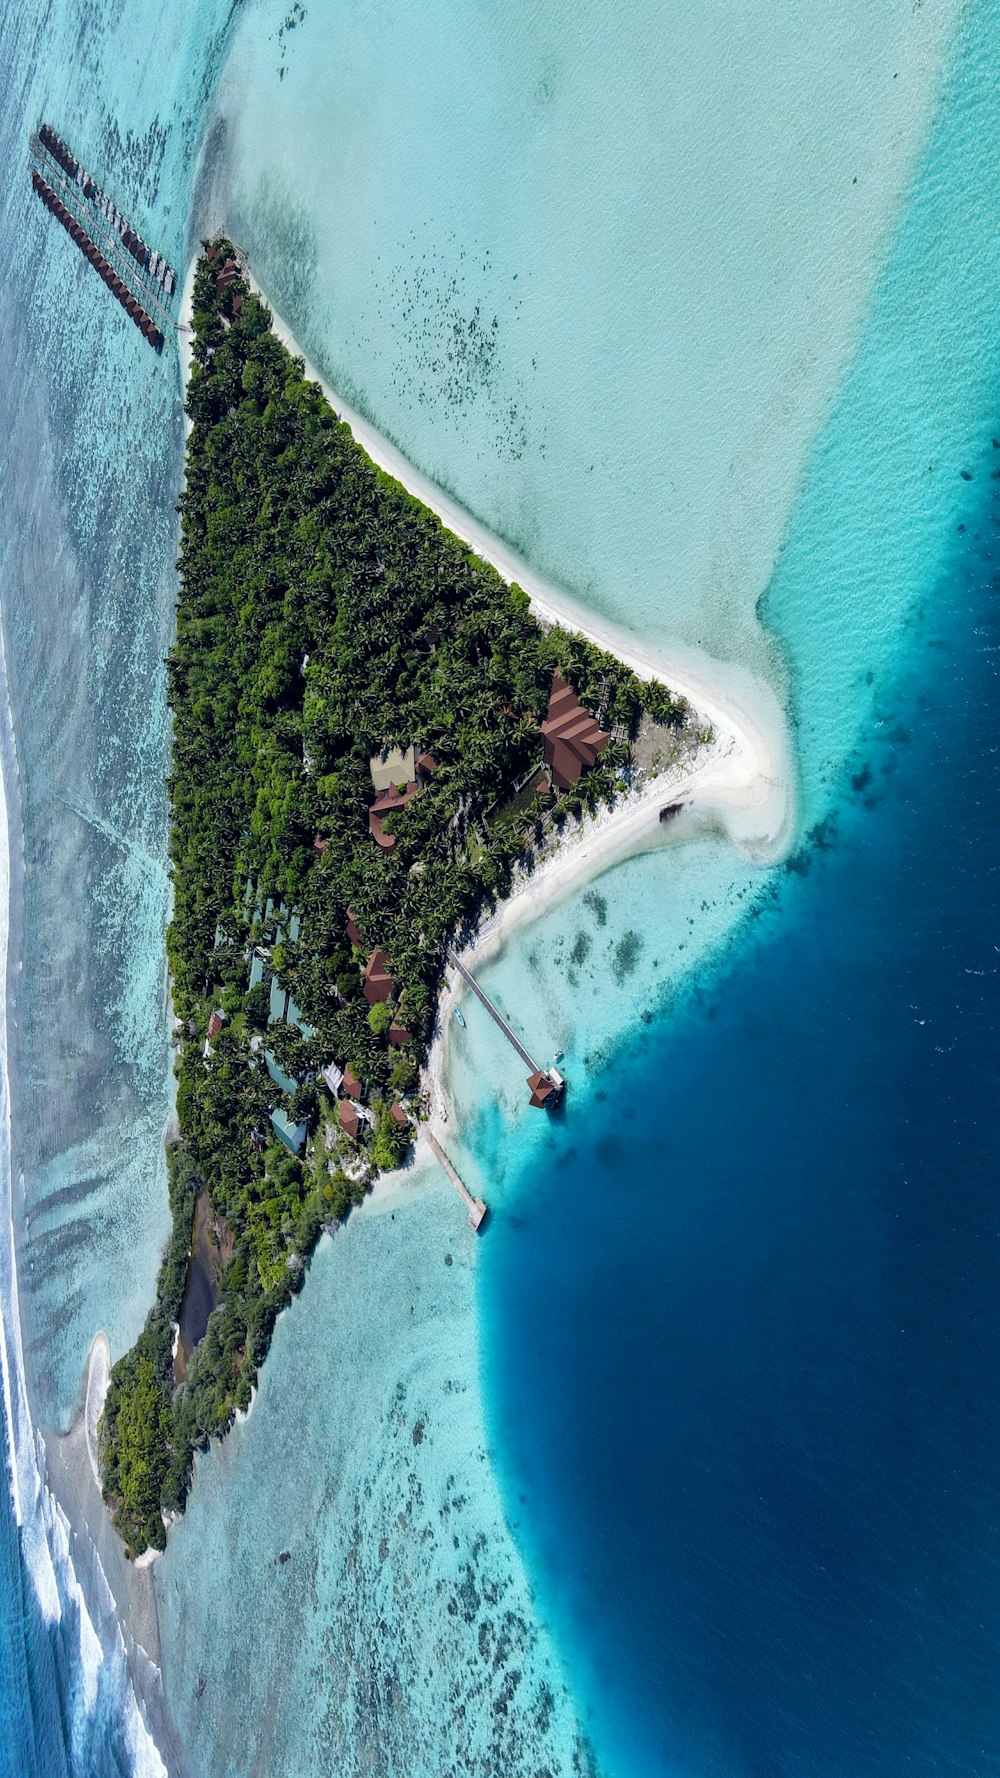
(547, 1084)
(495, 1014)
(475, 1206)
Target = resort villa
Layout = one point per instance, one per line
(571, 738)
(398, 775)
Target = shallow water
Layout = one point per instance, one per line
(89, 460)
(356, 1537)
(598, 274)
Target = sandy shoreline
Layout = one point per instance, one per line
(98, 1372)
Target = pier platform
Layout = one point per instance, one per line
(475, 1206)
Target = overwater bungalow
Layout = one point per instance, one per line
(544, 1092)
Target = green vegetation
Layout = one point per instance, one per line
(323, 615)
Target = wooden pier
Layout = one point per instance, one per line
(547, 1084)
(475, 1206)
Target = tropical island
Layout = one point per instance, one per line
(372, 733)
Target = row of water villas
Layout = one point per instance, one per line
(139, 278)
(147, 257)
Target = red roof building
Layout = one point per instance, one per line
(378, 983)
(215, 1024)
(571, 739)
(399, 1116)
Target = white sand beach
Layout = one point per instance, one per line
(98, 1371)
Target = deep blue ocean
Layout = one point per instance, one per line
(755, 1453)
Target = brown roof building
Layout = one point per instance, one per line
(386, 802)
(354, 930)
(571, 739)
(378, 983)
(543, 1090)
(350, 1084)
(399, 1037)
(399, 1116)
(350, 1119)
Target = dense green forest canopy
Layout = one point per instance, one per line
(323, 616)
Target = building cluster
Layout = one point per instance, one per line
(572, 740)
(354, 1117)
(225, 278)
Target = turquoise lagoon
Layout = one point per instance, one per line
(697, 314)
(845, 566)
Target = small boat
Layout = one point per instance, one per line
(559, 1055)
(458, 1015)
